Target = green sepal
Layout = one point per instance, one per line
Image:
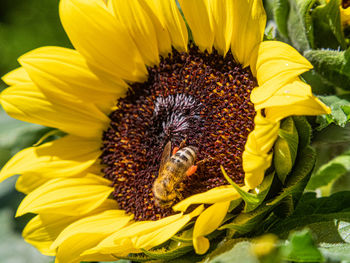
(234, 204)
(299, 177)
(301, 248)
(138, 257)
(280, 13)
(285, 149)
(304, 131)
(285, 207)
(252, 200)
(328, 32)
(332, 65)
(173, 250)
(184, 236)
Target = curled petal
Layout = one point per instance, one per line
(207, 222)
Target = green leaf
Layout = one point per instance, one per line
(344, 231)
(301, 248)
(252, 200)
(280, 13)
(340, 112)
(300, 30)
(336, 252)
(304, 131)
(331, 171)
(285, 149)
(241, 252)
(333, 66)
(322, 215)
(328, 32)
(319, 85)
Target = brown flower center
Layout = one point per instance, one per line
(202, 97)
(345, 3)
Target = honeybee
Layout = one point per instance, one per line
(173, 170)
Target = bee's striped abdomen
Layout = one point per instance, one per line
(184, 158)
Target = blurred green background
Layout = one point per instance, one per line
(24, 25)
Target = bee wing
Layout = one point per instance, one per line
(165, 155)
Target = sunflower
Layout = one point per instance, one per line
(133, 83)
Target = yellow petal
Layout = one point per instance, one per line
(198, 16)
(104, 43)
(345, 16)
(145, 234)
(129, 234)
(43, 229)
(222, 21)
(277, 64)
(68, 196)
(17, 76)
(70, 251)
(162, 34)
(171, 19)
(55, 69)
(27, 103)
(287, 95)
(206, 223)
(26, 183)
(215, 195)
(308, 106)
(201, 244)
(139, 25)
(163, 234)
(248, 29)
(102, 223)
(67, 156)
(294, 98)
(256, 157)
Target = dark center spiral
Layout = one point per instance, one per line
(202, 97)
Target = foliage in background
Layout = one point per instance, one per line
(24, 25)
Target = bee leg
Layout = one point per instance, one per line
(175, 149)
(191, 170)
(179, 190)
(204, 161)
(183, 143)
